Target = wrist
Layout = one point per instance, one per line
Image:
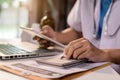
(58, 36)
(107, 55)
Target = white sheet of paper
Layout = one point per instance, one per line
(107, 73)
(8, 76)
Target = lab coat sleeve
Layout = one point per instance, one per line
(74, 17)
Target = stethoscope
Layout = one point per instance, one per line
(105, 24)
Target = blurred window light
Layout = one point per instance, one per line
(11, 16)
(23, 1)
(5, 5)
(15, 4)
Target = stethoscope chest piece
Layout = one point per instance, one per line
(94, 36)
(105, 31)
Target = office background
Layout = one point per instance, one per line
(59, 9)
(26, 12)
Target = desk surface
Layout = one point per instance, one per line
(105, 72)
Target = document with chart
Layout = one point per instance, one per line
(50, 71)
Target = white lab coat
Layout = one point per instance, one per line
(83, 16)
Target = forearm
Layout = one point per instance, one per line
(67, 35)
(113, 55)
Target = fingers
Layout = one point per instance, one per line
(48, 31)
(84, 54)
(45, 29)
(36, 38)
(73, 47)
(82, 48)
(43, 42)
(78, 52)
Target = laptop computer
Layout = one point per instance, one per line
(10, 52)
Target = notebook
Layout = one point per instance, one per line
(9, 52)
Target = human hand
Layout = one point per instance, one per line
(82, 48)
(48, 31)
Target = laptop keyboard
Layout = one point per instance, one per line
(9, 49)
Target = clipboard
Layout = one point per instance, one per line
(21, 74)
(32, 32)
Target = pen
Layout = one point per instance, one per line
(62, 57)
